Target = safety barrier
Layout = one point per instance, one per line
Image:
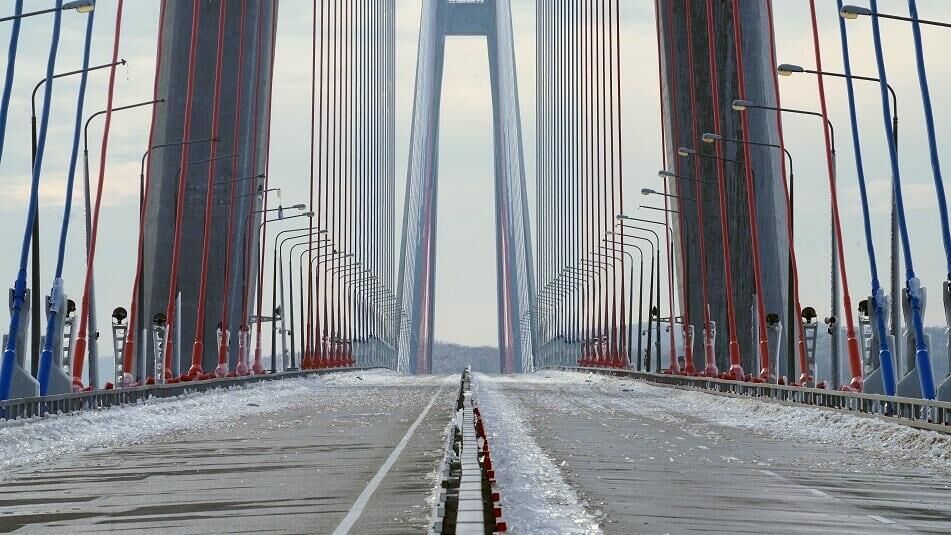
(101, 399)
(919, 413)
(468, 498)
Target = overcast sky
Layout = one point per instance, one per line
(465, 300)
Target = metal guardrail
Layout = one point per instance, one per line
(100, 399)
(919, 413)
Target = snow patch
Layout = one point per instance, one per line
(877, 439)
(34, 441)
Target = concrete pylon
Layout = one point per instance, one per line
(766, 162)
(490, 19)
(254, 45)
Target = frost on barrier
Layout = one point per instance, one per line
(535, 497)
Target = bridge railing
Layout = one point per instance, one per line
(101, 399)
(920, 413)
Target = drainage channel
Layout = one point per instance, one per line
(468, 501)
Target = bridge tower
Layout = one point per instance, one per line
(441, 19)
(253, 46)
(682, 22)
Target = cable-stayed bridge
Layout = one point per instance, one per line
(271, 368)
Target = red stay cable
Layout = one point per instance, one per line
(764, 374)
(198, 347)
(128, 349)
(620, 182)
(241, 368)
(182, 185)
(257, 367)
(313, 116)
(805, 377)
(224, 343)
(855, 361)
(674, 366)
(736, 368)
(709, 351)
(82, 337)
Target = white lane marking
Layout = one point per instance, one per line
(354, 514)
(702, 447)
(767, 472)
(819, 493)
(881, 519)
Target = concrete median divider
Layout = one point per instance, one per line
(469, 497)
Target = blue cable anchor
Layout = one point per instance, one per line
(57, 305)
(878, 294)
(18, 306)
(912, 284)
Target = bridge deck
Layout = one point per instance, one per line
(299, 470)
(640, 464)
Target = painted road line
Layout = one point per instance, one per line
(354, 514)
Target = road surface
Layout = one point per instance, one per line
(300, 469)
(640, 459)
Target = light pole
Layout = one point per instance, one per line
(257, 368)
(837, 249)
(640, 301)
(788, 69)
(279, 258)
(793, 305)
(623, 222)
(87, 200)
(136, 318)
(35, 307)
(674, 366)
(650, 296)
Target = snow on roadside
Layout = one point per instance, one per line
(535, 497)
(27, 442)
(882, 440)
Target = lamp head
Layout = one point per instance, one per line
(309, 214)
(622, 217)
(299, 206)
(81, 6)
(667, 174)
(684, 151)
(742, 105)
(648, 191)
(711, 137)
(853, 12)
(788, 69)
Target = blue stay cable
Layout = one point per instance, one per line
(56, 294)
(878, 295)
(932, 140)
(19, 287)
(8, 80)
(912, 284)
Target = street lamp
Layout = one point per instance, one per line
(79, 6)
(650, 292)
(87, 199)
(674, 366)
(850, 12)
(788, 69)
(837, 251)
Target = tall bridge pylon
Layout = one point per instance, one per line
(441, 19)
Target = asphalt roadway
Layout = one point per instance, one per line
(312, 468)
(642, 472)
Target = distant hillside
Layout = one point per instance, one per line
(453, 358)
